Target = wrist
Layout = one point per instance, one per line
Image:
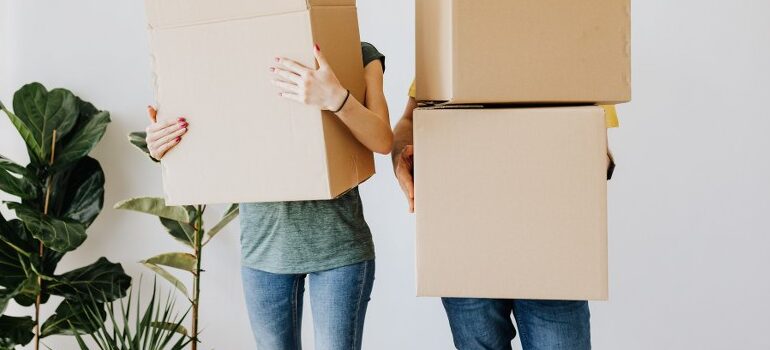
(337, 99)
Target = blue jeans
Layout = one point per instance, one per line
(338, 300)
(543, 325)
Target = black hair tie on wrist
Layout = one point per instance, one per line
(343, 103)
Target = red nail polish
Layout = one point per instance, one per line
(181, 119)
(178, 139)
(317, 48)
(184, 125)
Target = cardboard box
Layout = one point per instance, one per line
(520, 51)
(246, 143)
(511, 203)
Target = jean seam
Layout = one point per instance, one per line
(294, 313)
(361, 283)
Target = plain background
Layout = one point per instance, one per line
(689, 206)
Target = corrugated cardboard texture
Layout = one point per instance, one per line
(522, 51)
(511, 203)
(246, 143)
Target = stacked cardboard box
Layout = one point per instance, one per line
(245, 143)
(511, 200)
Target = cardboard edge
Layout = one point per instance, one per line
(153, 13)
(353, 79)
(433, 47)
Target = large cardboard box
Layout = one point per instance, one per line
(511, 203)
(245, 143)
(523, 51)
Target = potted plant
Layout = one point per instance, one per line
(184, 224)
(60, 193)
(132, 325)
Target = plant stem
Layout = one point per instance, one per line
(197, 277)
(39, 296)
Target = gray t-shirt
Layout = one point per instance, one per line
(307, 236)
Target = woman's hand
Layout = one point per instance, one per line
(405, 174)
(163, 136)
(315, 87)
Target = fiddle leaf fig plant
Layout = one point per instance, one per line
(185, 225)
(60, 193)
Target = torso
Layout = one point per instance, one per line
(307, 236)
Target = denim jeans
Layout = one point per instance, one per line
(543, 325)
(338, 300)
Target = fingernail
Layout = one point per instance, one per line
(183, 125)
(278, 59)
(272, 69)
(317, 48)
(181, 119)
(178, 139)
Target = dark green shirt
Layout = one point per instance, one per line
(307, 236)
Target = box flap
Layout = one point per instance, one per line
(175, 13)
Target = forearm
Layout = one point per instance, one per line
(402, 137)
(403, 132)
(367, 126)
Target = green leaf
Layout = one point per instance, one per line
(78, 192)
(15, 180)
(230, 214)
(102, 281)
(17, 186)
(182, 261)
(14, 244)
(35, 150)
(29, 291)
(157, 207)
(89, 130)
(6, 295)
(168, 277)
(168, 326)
(139, 139)
(15, 331)
(43, 111)
(12, 167)
(71, 318)
(181, 231)
(19, 262)
(61, 235)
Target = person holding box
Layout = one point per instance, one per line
(477, 323)
(284, 242)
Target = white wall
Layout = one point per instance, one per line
(689, 223)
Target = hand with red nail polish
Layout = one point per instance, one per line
(315, 87)
(163, 136)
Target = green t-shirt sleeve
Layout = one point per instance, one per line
(370, 53)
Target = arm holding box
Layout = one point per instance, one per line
(368, 121)
(403, 152)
